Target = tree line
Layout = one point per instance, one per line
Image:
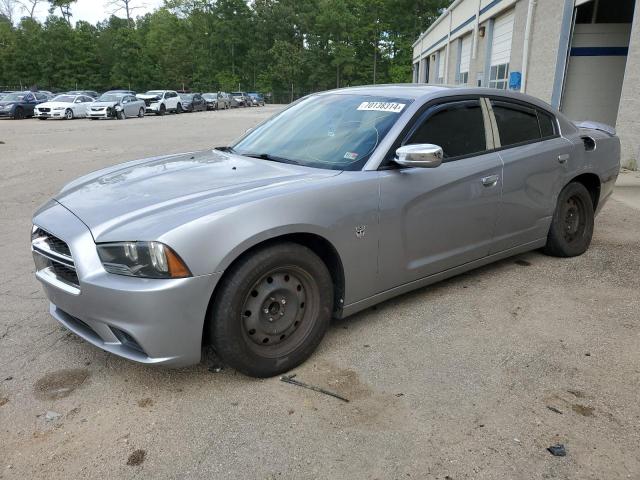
(288, 47)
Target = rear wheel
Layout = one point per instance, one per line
(572, 224)
(272, 310)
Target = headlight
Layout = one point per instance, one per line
(7, 107)
(142, 259)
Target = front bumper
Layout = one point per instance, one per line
(6, 113)
(51, 114)
(154, 107)
(100, 114)
(146, 320)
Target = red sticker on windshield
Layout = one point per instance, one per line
(350, 156)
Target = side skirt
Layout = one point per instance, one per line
(360, 305)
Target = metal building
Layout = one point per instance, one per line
(581, 56)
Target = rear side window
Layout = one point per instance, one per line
(547, 122)
(516, 123)
(458, 128)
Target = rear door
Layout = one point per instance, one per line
(433, 219)
(535, 159)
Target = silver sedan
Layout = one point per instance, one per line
(343, 200)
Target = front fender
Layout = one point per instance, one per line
(343, 210)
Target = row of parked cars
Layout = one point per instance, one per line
(118, 104)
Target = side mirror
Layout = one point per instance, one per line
(422, 155)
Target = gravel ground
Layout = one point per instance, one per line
(472, 378)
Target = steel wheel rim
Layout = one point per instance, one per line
(278, 311)
(574, 221)
(69, 114)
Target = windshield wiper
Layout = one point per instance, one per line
(273, 158)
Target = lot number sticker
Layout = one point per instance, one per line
(382, 106)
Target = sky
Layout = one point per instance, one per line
(94, 11)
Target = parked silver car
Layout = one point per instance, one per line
(341, 201)
(217, 101)
(240, 99)
(116, 105)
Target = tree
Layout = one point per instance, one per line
(8, 9)
(126, 6)
(30, 6)
(64, 6)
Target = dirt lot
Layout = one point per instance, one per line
(472, 378)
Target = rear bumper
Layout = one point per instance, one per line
(145, 320)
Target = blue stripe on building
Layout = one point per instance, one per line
(599, 51)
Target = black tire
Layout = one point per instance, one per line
(120, 115)
(162, 110)
(179, 108)
(68, 114)
(18, 114)
(572, 224)
(141, 112)
(252, 294)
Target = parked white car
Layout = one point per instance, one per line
(64, 106)
(161, 101)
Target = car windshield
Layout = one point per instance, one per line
(237, 94)
(335, 131)
(14, 97)
(64, 98)
(110, 97)
(186, 96)
(210, 96)
(157, 93)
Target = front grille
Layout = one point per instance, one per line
(44, 109)
(53, 254)
(54, 243)
(147, 102)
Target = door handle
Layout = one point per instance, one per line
(490, 181)
(563, 158)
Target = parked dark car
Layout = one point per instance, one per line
(89, 93)
(19, 105)
(257, 99)
(193, 102)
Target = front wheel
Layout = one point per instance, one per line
(272, 310)
(120, 115)
(141, 113)
(68, 114)
(18, 114)
(179, 108)
(572, 224)
(162, 110)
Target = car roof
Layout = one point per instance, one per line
(425, 91)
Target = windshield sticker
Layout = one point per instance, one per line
(350, 156)
(382, 106)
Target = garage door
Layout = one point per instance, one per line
(501, 50)
(465, 59)
(441, 57)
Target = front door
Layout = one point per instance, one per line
(433, 219)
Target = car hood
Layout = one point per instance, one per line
(117, 197)
(2, 104)
(54, 104)
(148, 97)
(103, 104)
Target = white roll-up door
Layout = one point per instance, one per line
(465, 54)
(502, 36)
